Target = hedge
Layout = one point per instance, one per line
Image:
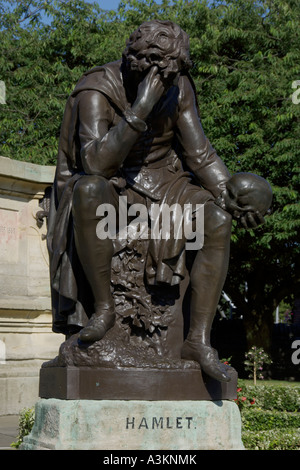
(260, 420)
(270, 397)
(275, 439)
(270, 416)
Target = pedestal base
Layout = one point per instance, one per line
(135, 425)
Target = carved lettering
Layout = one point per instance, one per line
(168, 422)
(143, 424)
(8, 235)
(129, 423)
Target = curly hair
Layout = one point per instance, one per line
(158, 43)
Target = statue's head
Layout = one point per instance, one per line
(160, 43)
(247, 192)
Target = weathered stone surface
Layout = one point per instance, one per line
(26, 337)
(135, 425)
(24, 265)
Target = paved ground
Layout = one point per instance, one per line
(9, 428)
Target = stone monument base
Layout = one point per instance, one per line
(135, 425)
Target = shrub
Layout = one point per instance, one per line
(256, 358)
(275, 439)
(260, 420)
(270, 397)
(270, 416)
(26, 422)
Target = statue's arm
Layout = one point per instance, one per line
(102, 148)
(200, 157)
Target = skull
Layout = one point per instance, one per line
(246, 192)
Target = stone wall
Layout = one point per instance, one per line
(26, 338)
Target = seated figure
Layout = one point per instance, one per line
(132, 128)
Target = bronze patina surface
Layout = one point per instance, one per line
(131, 133)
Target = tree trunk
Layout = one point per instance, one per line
(258, 323)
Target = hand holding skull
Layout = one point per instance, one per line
(247, 198)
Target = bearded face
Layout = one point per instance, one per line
(158, 43)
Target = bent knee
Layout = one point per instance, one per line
(90, 188)
(216, 220)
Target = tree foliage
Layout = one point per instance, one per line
(246, 58)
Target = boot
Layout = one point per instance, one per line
(208, 359)
(98, 325)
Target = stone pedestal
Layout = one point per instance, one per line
(89, 408)
(135, 425)
(26, 337)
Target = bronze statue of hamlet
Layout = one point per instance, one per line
(132, 132)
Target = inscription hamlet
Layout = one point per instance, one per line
(160, 423)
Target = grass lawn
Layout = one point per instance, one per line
(273, 383)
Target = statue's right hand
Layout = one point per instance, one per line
(150, 90)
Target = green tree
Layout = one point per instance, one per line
(41, 63)
(246, 61)
(246, 58)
